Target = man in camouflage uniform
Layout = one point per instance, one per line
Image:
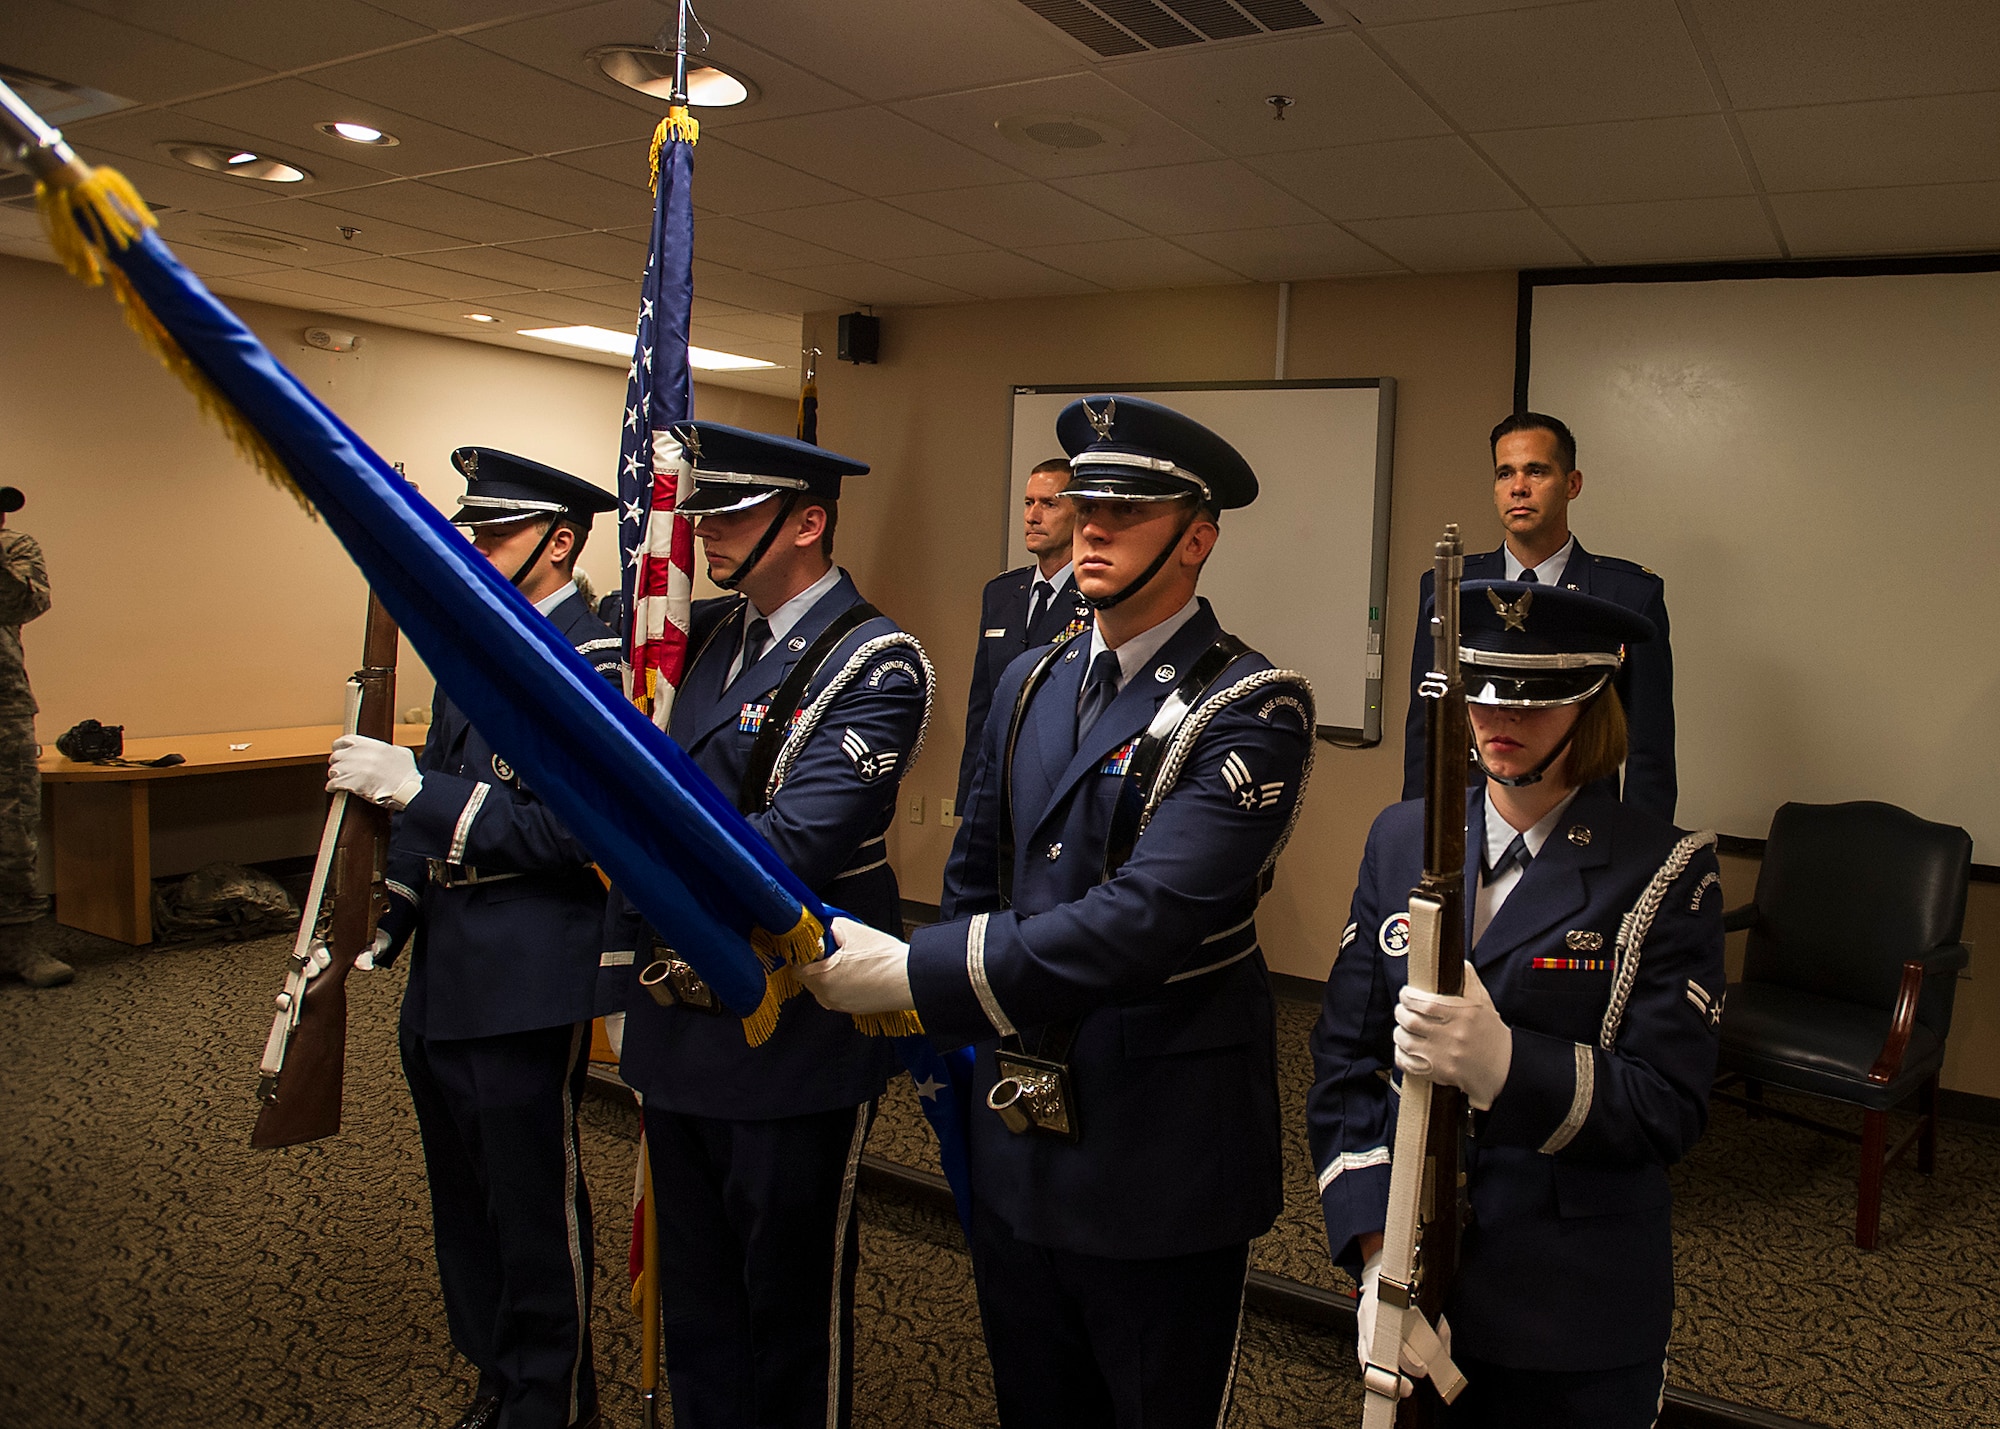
(24, 594)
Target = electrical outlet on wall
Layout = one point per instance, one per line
(948, 813)
(916, 808)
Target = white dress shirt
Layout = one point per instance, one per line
(548, 603)
(1488, 897)
(782, 619)
(1549, 572)
(1135, 654)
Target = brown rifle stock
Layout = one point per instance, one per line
(302, 1102)
(1446, 746)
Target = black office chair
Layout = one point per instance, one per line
(1849, 976)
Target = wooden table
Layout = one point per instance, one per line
(103, 837)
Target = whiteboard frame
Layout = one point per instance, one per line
(1370, 733)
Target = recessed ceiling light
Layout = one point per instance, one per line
(1049, 133)
(619, 344)
(357, 133)
(238, 163)
(481, 318)
(647, 70)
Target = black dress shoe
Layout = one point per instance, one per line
(482, 1413)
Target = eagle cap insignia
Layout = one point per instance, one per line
(1516, 614)
(469, 465)
(1100, 422)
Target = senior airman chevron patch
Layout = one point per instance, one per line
(1250, 795)
(870, 764)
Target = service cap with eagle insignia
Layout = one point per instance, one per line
(502, 487)
(735, 469)
(1536, 646)
(1129, 449)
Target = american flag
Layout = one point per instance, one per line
(655, 539)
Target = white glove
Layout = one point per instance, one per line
(366, 962)
(869, 973)
(384, 774)
(1456, 1041)
(1364, 1321)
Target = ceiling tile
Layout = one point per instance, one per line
(1341, 94)
(224, 263)
(287, 111)
(736, 244)
(1781, 52)
(418, 204)
(257, 291)
(870, 283)
(1400, 179)
(451, 14)
(1016, 215)
(1927, 219)
(766, 327)
(1623, 162)
(864, 228)
(1465, 242)
(994, 274)
(621, 298)
(555, 190)
(452, 315)
(426, 278)
(161, 180)
(749, 290)
(516, 267)
(1292, 254)
(336, 288)
(568, 308)
(722, 340)
(727, 180)
(704, 307)
(972, 118)
(1126, 263)
(95, 50)
(1191, 198)
(267, 35)
(870, 151)
(1681, 231)
(142, 135)
(616, 255)
(317, 222)
(1608, 59)
(452, 83)
(1949, 139)
(892, 49)
(558, 44)
(1389, 12)
(210, 231)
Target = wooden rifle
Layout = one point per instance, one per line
(305, 1056)
(1420, 1237)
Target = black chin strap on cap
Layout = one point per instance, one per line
(1533, 776)
(785, 509)
(1159, 563)
(548, 535)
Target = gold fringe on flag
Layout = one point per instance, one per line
(781, 953)
(679, 124)
(88, 211)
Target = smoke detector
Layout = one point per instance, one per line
(331, 339)
(1061, 133)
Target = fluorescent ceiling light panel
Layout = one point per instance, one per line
(619, 344)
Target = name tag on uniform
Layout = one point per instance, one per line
(991, 633)
(1571, 965)
(1120, 760)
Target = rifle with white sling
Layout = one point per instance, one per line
(1420, 1236)
(304, 1063)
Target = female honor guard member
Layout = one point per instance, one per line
(496, 1020)
(1099, 946)
(805, 705)
(1585, 1040)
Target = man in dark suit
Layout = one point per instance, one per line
(805, 705)
(495, 1034)
(1030, 606)
(1535, 478)
(1109, 974)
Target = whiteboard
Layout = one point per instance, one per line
(1813, 465)
(1300, 573)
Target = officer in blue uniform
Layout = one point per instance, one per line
(805, 705)
(1535, 477)
(1030, 606)
(1099, 948)
(495, 1034)
(1585, 1044)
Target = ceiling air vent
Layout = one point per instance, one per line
(1129, 27)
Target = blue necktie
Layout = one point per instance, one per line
(1529, 577)
(1515, 853)
(1038, 606)
(1099, 690)
(754, 641)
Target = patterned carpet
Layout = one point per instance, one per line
(157, 1271)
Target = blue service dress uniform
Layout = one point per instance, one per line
(1004, 632)
(1111, 1271)
(504, 979)
(754, 1149)
(1567, 1262)
(1645, 683)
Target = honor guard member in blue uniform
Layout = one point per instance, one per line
(805, 705)
(1034, 605)
(1585, 1040)
(506, 911)
(1535, 478)
(1099, 946)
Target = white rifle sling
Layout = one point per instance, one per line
(1399, 1324)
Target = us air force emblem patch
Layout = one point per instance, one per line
(870, 764)
(1710, 1008)
(1394, 937)
(1250, 795)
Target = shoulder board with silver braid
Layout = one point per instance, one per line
(809, 719)
(1634, 926)
(1191, 729)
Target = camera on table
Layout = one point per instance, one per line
(1034, 1096)
(90, 742)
